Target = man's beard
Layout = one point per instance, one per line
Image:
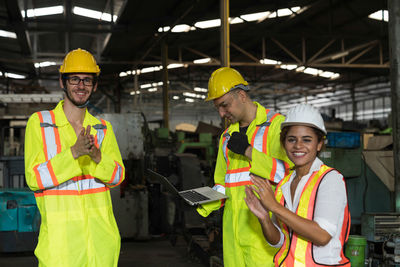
(78, 104)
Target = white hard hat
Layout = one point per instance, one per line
(304, 114)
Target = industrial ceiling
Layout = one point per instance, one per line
(326, 52)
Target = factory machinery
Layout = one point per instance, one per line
(19, 215)
(366, 162)
(144, 209)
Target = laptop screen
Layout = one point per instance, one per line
(164, 181)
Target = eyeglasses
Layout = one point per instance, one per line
(75, 80)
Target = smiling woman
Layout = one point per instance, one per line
(311, 219)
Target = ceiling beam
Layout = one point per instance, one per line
(15, 18)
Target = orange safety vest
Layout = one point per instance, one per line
(296, 250)
(240, 177)
(46, 179)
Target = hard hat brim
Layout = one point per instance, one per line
(286, 124)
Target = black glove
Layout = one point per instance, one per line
(238, 143)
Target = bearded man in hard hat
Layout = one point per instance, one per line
(72, 160)
(249, 145)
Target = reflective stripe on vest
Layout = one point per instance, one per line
(50, 135)
(52, 146)
(80, 185)
(225, 139)
(101, 133)
(117, 174)
(297, 251)
(240, 176)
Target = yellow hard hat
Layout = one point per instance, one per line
(79, 61)
(222, 81)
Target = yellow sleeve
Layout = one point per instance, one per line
(275, 164)
(110, 170)
(219, 181)
(39, 173)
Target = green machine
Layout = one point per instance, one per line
(366, 191)
(204, 143)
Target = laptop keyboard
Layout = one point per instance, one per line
(193, 196)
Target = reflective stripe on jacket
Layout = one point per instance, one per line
(297, 251)
(241, 176)
(77, 222)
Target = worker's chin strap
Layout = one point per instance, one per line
(84, 105)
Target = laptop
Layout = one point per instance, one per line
(194, 196)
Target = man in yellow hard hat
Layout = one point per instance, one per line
(72, 160)
(249, 145)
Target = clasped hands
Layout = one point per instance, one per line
(266, 201)
(85, 145)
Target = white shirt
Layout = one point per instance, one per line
(329, 210)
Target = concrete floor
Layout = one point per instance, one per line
(157, 252)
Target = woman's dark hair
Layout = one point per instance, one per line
(320, 136)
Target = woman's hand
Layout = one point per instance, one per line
(254, 204)
(264, 190)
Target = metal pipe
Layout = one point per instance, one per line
(225, 43)
(394, 49)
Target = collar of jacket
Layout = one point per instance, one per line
(61, 119)
(261, 117)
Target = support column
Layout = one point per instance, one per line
(394, 49)
(164, 56)
(225, 43)
(353, 103)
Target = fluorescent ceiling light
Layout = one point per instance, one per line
(199, 89)
(311, 71)
(256, 16)
(189, 100)
(8, 34)
(259, 16)
(14, 75)
(135, 93)
(194, 95)
(148, 85)
(235, 20)
(268, 61)
(208, 23)
(379, 15)
(202, 60)
(284, 12)
(164, 29)
(150, 69)
(176, 65)
(295, 9)
(44, 11)
(288, 66)
(182, 28)
(90, 13)
(44, 64)
(175, 97)
(152, 89)
(300, 69)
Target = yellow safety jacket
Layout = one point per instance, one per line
(243, 240)
(78, 227)
(296, 251)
